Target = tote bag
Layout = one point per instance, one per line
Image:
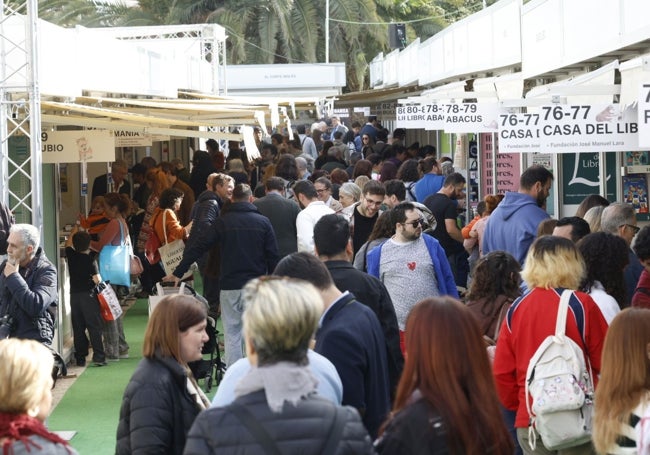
(171, 253)
(115, 262)
(109, 304)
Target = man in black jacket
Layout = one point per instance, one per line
(28, 287)
(351, 338)
(334, 247)
(248, 250)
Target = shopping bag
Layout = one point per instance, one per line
(162, 292)
(171, 254)
(115, 262)
(109, 304)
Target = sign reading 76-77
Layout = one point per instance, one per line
(644, 115)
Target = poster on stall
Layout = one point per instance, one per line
(635, 192)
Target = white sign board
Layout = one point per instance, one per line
(125, 138)
(570, 129)
(419, 116)
(471, 117)
(644, 115)
(77, 146)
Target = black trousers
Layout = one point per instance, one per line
(86, 316)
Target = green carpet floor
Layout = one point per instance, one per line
(91, 406)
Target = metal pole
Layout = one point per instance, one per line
(327, 31)
(35, 115)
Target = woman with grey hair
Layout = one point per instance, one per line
(349, 194)
(277, 409)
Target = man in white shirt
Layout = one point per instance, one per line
(313, 210)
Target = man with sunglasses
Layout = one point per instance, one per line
(412, 265)
(620, 219)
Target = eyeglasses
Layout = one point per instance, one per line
(634, 228)
(322, 190)
(365, 138)
(415, 223)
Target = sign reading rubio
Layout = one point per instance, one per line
(570, 129)
(451, 117)
(78, 146)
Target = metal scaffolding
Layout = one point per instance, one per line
(20, 113)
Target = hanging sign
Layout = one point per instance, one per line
(125, 138)
(644, 115)
(77, 146)
(471, 117)
(419, 116)
(570, 129)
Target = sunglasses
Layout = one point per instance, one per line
(415, 223)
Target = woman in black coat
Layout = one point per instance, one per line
(277, 397)
(162, 398)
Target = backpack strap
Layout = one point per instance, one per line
(563, 309)
(336, 432)
(255, 428)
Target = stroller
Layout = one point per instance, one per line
(210, 369)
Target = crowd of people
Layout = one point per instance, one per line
(360, 314)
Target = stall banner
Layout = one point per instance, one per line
(644, 115)
(471, 117)
(570, 129)
(419, 116)
(581, 176)
(124, 138)
(508, 167)
(77, 146)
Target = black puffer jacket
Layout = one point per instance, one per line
(157, 410)
(299, 430)
(31, 300)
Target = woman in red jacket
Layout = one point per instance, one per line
(552, 264)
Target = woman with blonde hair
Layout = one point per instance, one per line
(26, 399)
(276, 405)
(552, 265)
(623, 394)
(446, 401)
(162, 398)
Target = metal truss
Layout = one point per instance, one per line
(20, 113)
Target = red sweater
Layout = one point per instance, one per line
(530, 319)
(641, 298)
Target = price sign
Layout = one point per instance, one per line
(570, 129)
(644, 115)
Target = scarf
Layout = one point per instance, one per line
(19, 427)
(283, 381)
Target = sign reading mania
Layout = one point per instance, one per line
(570, 129)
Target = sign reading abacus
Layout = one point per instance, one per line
(644, 115)
(451, 117)
(570, 129)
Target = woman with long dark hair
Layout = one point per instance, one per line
(606, 256)
(446, 400)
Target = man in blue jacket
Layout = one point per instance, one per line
(412, 265)
(512, 227)
(248, 250)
